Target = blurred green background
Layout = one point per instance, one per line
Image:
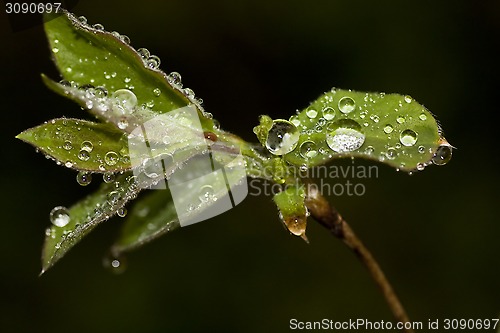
(435, 233)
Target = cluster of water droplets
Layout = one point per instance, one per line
(344, 124)
(151, 62)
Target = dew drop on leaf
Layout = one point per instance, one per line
(67, 145)
(311, 113)
(282, 137)
(328, 113)
(347, 104)
(83, 155)
(442, 155)
(111, 158)
(108, 177)
(388, 129)
(308, 149)
(83, 178)
(59, 216)
(408, 137)
(344, 135)
(87, 146)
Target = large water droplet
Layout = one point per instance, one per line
(153, 62)
(388, 129)
(345, 135)
(328, 113)
(347, 104)
(422, 116)
(282, 137)
(308, 149)
(408, 137)
(408, 99)
(83, 178)
(442, 155)
(59, 216)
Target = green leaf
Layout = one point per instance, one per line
(81, 144)
(149, 218)
(389, 128)
(293, 212)
(88, 57)
(86, 215)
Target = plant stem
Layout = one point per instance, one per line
(328, 217)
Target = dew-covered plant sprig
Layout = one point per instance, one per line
(125, 90)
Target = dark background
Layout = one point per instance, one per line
(435, 233)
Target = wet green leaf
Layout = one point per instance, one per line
(88, 57)
(81, 144)
(389, 128)
(85, 216)
(293, 212)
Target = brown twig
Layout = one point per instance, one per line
(327, 216)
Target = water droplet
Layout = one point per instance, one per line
(328, 113)
(127, 80)
(115, 264)
(408, 99)
(100, 92)
(113, 197)
(111, 158)
(442, 155)
(125, 39)
(153, 62)
(369, 150)
(98, 26)
(421, 149)
(108, 177)
(420, 166)
(422, 116)
(68, 164)
(345, 135)
(206, 193)
(282, 138)
(126, 101)
(83, 155)
(347, 105)
(311, 113)
(122, 212)
(59, 216)
(174, 78)
(87, 146)
(82, 19)
(122, 123)
(67, 145)
(157, 92)
(400, 120)
(391, 153)
(55, 50)
(375, 118)
(308, 149)
(144, 53)
(83, 178)
(408, 137)
(388, 129)
(295, 120)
